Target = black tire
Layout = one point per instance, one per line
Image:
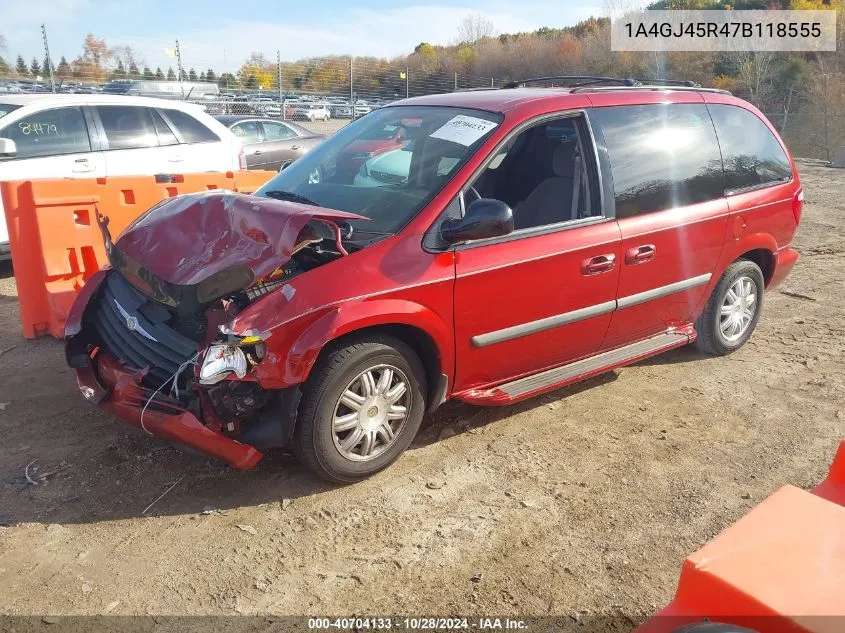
(314, 439)
(710, 339)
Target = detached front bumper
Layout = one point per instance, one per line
(116, 387)
(123, 395)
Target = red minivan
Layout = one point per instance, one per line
(516, 241)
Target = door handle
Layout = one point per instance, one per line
(598, 264)
(640, 254)
(294, 147)
(257, 152)
(175, 159)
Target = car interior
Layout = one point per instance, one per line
(541, 174)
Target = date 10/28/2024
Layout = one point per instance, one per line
(417, 623)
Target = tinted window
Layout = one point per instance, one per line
(49, 133)
(662, 156)
(192, 130)
(5, 108)
(165, 134)
(277, 131)
(751, 153)
(248, 131)
(128, 127)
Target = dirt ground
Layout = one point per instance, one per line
(584, 501)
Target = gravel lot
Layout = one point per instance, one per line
(583, 501)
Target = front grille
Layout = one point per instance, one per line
(139, 331)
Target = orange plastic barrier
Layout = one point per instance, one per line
(833, 488)
(779, 568)
(249, 181)
(56, 243)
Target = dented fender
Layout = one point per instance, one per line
(296, 344)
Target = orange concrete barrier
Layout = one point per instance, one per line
(780, 568)
(249, 181)
(55, 241)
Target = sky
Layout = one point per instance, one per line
(221, 34)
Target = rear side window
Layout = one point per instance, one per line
(274, 131)
(192, 130)
(49, 133)
(165, 134)
(662, 156)
(248, 131)
(128, 127)
(751, 154)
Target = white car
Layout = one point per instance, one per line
(312, 112)
(94, 136)
(345, 111)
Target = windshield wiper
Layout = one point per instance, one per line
(289, 196)
(347, 230)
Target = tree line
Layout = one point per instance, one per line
(802, 93)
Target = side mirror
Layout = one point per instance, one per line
(484, 218)
(8, 149)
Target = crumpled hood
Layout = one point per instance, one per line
(190, 250)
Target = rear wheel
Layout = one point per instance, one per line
(733, 309)
(361, 408)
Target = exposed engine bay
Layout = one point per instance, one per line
(164, 307)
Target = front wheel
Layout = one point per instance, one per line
(733, 309)
(361, 408)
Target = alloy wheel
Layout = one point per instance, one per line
(371, 413)
(738, 308)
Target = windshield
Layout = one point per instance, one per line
(388, 178)
(5, 108)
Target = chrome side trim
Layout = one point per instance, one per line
(532, 327)
(547, 323)
(606, 359)
(662, 291)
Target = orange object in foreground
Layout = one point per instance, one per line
(780, 568)
(833, 488)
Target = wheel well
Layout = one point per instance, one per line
(765, 259)
(416, 339)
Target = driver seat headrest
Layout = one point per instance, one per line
(562, 160)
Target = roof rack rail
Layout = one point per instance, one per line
(581, 81)
(645, 87)
(667, 82)
(573, 80)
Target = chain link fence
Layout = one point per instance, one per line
(324, 94)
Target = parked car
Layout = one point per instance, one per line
(376, 141)
(541, 236)
(268, 143)
(360, 108)
(311, 112)
(93, 136)
(162, 89)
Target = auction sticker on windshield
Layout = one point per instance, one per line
(463, 129)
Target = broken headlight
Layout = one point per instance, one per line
(220, 361)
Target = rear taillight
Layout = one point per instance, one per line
(798, 204)
(242, 159)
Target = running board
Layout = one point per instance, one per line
(579, 370)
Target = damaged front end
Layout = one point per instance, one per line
(148, 334)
